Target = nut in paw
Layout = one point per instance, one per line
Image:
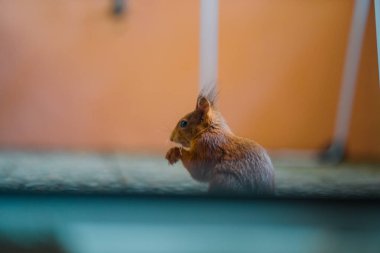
(173, 155)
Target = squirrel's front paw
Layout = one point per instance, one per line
(173, 155)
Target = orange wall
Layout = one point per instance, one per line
(290, 56)
(364, 139)
(281, 65)
(73, 76)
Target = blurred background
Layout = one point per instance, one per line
(74, 76)
(90, 91)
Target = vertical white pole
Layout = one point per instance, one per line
(208, 43)
(377, 16)
(350, 71)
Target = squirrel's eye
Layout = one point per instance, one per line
(183, 123)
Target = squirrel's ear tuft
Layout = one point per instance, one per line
(210, 93)
(203, 104)
(207, 98)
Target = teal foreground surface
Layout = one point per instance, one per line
(94, 223)
(125, 173)
(330, 209)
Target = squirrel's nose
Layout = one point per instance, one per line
(172, 137)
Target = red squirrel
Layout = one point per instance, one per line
(212, 153)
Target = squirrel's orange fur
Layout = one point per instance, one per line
(212, 153)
